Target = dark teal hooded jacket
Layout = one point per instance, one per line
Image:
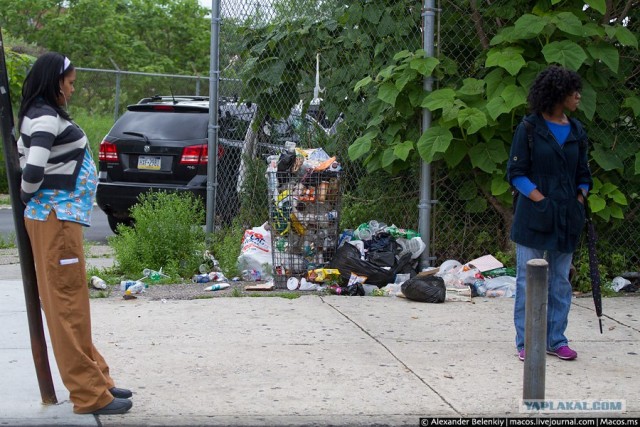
(554, 223)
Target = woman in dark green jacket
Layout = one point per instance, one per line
(548, 166)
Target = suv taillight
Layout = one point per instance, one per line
(108, 152)
(197, 154)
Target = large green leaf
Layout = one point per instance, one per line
(596, 203)
(598, 5)
(633, 102)
(388, 92)
(271, 70)
(440, 98)
(488, 156)
(403, 150)
(497, 106)
(407, 76)
(566, 53)
(424, 66)
(569, 23)
(499, 185)
(588, 102)
(362, 83)
(514, 96)
(509, 58)
(637, 164)
(362, 145)
(472, 87)
(472, 119)
(388, 157)
(606, 53)
(607, 160)
(626, 37)
(434, 140)
(529, 26)
(455, 153)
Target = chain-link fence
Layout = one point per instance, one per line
(463, 31)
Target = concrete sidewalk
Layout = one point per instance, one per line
(329, 360)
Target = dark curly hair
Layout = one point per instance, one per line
(551, 87)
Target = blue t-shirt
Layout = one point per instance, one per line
(73, 205)
(560, 132)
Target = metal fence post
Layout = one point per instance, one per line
(214, 76)
(424, 205)
(535, 329)
(116, 111)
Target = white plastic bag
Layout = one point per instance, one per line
(255, 252)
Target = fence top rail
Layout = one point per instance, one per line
(140, 73)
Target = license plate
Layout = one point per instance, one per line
(149, 163)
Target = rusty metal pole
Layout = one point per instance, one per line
(535, 329)
(30, 284)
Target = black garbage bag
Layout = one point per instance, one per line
(382, 250)
(347, 260)
(425, 289)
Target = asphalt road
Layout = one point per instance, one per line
(98, 231)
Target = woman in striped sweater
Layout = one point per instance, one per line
(58, 186)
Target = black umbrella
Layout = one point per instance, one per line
(594, 265)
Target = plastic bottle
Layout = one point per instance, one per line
(98, 283)
(480, 288)
(272, 178)
(217, 287)
(126, 284)
(201, 278)
(137, 288)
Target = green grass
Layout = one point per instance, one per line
(8, 242)
(5, 199)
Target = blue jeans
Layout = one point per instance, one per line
(559, 300)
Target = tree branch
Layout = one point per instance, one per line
(607, 14)
(477, 22)
(625, 11)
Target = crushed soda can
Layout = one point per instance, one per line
(98, 283)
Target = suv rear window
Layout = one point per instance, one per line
(169, 125)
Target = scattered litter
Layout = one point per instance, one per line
(485, 263)
(255, 252)
(214, 276)
(267, 286)
(132, 286)
(217, 287)
(425, 289)
(129, 296)
(98, 283)
(617, 284)
(153, 275)
(293, 283)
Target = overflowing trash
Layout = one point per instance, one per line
(485, 276)
(214, 276)
(304, 206)
(255, 252)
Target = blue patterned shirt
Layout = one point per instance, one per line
(73, 205)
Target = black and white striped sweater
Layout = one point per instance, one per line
(51, 149)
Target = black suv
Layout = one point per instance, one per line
(161, 144)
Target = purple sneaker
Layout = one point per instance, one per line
(521, 354)
(563, 352)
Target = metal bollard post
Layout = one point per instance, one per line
(535, 329)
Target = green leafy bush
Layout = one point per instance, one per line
(166, 233)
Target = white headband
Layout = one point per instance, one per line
(67, 62)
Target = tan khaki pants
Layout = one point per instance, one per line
(59, 260)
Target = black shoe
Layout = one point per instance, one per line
(117, 406)
(122, 393)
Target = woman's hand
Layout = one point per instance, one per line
(536, 195)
